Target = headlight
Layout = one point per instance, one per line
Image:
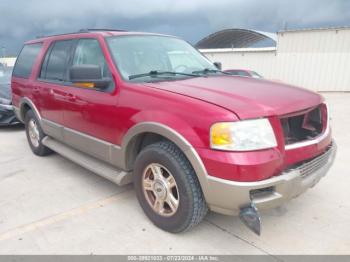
(244, 135)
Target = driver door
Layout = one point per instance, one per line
(91, 114)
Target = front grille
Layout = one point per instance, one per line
(304, 126)
(310, 166)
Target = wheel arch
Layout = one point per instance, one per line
(25, 105)
(136, 134)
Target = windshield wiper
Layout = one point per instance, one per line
(158, 73)
(207, 71)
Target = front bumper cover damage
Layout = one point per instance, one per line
(246, 198)
(7, 115)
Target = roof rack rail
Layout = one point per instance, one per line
(87, 30)
(70, 33)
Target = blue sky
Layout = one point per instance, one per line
(22, 20)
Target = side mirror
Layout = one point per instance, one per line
(88, 76)
(218, 65)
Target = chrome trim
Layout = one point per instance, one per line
(315, 140)
(309, 142)
(314, 164)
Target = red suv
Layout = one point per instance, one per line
(150, 109)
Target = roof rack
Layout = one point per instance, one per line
(87, 30)
(42, 36)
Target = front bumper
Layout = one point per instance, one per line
(228, 197)
(7, 115)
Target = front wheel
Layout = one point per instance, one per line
(168, 189)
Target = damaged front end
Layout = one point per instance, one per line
(7, 114)
(250, 217)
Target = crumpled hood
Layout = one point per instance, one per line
(246, 97)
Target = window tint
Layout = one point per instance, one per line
(55, 63)
(88, 52)
(26, 59)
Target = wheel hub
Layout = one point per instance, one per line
(33, 132)
(160, 190)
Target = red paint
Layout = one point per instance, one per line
(188, 106)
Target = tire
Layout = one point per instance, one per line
(35, 143)
(191, 205)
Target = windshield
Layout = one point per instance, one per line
(141, 54)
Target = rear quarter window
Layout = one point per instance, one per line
(26, 60)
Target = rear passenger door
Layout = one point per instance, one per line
(51, 83)
(21, 83)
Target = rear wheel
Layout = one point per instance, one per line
(35, 135)
(167, 188)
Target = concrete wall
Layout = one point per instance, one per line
(315, 59)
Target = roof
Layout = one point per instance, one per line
(236, 38)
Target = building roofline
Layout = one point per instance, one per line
(234, 37)
(238, 50)
(314, 29)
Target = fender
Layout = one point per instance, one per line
(176, 138)
(20, 110)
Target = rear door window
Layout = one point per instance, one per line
(56, 61)
(26, 60)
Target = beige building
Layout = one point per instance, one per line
(318, 59)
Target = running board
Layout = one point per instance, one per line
(99, 167)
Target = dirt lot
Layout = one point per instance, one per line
(52, 206)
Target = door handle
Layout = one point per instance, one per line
(57, 95)
(71, 97)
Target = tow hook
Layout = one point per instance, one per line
(250, 217)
